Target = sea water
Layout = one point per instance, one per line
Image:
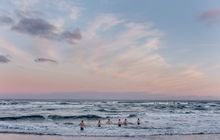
(62, 117)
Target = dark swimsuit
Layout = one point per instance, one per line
(119, 125)
(81, 128)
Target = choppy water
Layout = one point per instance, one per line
(62, 117)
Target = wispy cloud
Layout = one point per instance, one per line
(73, 10)
(102, 23)
(13, 50)
(25, 18)
(211, 16)
(4, 59)
(187, 80)
(124, 55)
(192, 72)
(32, 26)
(23, 4)
(71, 36)
(6, 20)
(42, 60)
(41, 28)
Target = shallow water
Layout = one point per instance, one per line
(176, 137)
(62, 117)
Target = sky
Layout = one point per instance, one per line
(110, 48)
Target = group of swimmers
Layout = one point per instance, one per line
(109, 122)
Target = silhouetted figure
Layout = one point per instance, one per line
(109, 121)
(82, 125)
(119, 122)
(125, 122)
(138, 122)
(99, 123)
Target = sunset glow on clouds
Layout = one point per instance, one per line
(109, 46)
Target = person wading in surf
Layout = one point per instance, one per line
(109, 121)
(119, 122)
(82, 125)
(138, 122)
(125, 122)
(99, 123)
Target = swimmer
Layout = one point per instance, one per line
(109, 121)
(99, 123)
(82, 125)
(138, 122)
(125, 122)
(119, 122)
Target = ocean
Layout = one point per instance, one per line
(62, 117)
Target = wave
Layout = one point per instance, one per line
(63, 103)
(50, 109)
(51, 117)
(56, 117)
(132, 115)
(14, 102)
(109, 111)
(16, 118)
(88, 117)
(149, 128)
(200, 108)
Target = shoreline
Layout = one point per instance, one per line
(75, 136)
(26, 136)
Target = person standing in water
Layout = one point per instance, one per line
(138, 122)
(99, 123)
(125, 122)
(119, 122)
(109, 121)
(82, 125)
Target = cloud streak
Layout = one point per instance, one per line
(4, 59)
(71, 36)
(35, 26)
(43, 29)
(42, 60)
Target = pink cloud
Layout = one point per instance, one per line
(211, 16)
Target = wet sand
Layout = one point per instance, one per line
(44, 137)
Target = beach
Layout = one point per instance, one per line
(45, 137)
